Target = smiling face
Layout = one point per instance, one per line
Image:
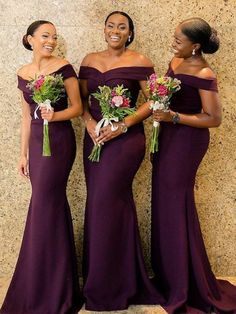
(117, 31)
(182, 46)
(44, 39)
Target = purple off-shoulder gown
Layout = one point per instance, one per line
(179, 259)
(45, 280)
(113, 268)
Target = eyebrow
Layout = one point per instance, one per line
(49, 33)
(118, 23)
(176, 37)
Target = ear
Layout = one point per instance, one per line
(197, 47)
(30, 39)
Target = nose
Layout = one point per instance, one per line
(51, 40)
(116, 30)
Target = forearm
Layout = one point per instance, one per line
(200, 120)
(67, 114)
(139, 115)
(86, 116)
(25, 135)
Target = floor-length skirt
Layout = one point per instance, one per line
(179, 259)
(45, 280)
(114, 272)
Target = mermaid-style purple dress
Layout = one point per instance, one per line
(179, 259)
(45, 280)
(113, 268)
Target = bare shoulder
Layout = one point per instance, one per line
(62, 62)
(206, 73)
(57, 63)
(24, 70)
(89, 58)
(140, 60)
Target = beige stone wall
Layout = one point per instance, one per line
(80, 25)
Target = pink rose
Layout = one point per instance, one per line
(162, 90)
(117, 101)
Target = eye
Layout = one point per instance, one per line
(123, 28)
(45, 36)
(109, 26)
(177, 41)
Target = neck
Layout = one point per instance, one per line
(116, 52)
(194, 58)
(41, 62)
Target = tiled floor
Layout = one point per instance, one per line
(4, 282)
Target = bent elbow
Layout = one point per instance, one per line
(217, 122)
(80, 112)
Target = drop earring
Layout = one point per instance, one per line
(193, 52)
(129, 38)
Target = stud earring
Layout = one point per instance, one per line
(129, 38)
(193, 52)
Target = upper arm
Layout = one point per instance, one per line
(83, 82)
(210, 99)
(73, 92)
(25, 107)
(143, 86)
(211, 103)
(83, 88)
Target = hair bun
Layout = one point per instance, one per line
(26, 43)
(213, 44)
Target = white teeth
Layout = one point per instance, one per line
(115, 38)
(48, 47)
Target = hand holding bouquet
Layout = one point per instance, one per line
(160, 91)
(47, 90)
(115, 105)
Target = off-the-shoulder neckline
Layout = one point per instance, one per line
(113, 69)
(48, 73)
(190, 75)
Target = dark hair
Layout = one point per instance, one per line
(131, 25)
(199, 31)
(30, 31)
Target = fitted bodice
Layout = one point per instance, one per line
(187, 99)
(66, 71)
(128, 76)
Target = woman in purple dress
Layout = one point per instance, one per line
(179, 259)
(45, 280)
(113, 267)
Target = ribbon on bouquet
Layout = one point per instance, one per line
(105, 122)
(46, 104)
(46, 143)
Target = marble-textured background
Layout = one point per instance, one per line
(80, 25)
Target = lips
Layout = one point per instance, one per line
(175, 51)
(49, 48)
(114, 38)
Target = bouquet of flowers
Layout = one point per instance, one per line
(115, 105)
(160, 91)
(47, 89)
